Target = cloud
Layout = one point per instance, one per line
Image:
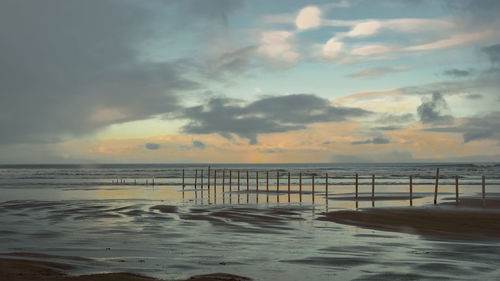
(454, 40)
(225, 117)
(474, 96)
(332, 48)
(396, 119)
(308, 18)
(373, 49)
(379, 71)
(273, 151)
(431, 111)
(276, 47)
(153, 146)
(459, 73)
(213, 9)
(199, 145)
(485, 127)
(72, 67)
(366, 28)
(493, 53)
(224, 66)
(376, 140)
(388, 128)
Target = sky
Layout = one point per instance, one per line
(239, 81)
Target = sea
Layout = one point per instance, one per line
(172, 221)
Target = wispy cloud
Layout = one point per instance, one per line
(380, 71)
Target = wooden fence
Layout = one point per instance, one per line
(208, 183)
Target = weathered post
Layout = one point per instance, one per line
(326, 188)
(288, 187)
(436, 187)
(257, 186)
(238, 181)
(248, 188)
(267, 186)
(456, 190)
(300, 186)
(223, 180)
(201, 179)
(195, 179)
(208, 178)
(373, 190)
(278, 186)
(411, 190)
(312, 187)
(238, 186)
(215, 186)
(484, 191)
(356, 187)
(230, 182)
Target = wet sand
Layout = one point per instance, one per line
(29, 270)
(467, 220)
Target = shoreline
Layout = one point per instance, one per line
(29, 270)
(466, 221)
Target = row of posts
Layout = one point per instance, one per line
(313, 185)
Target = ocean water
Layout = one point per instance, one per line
(113, 218)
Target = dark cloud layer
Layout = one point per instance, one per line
(432, 111)
(476, 128)
(153, 146)
(459, 73)
(376, 140)
(493, 53)
(70, 67)
(267, 115)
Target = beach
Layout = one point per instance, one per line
(29, 270)
(71, 223)
(469, 221)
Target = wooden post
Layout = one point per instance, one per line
(230, 182)
(484, 191)
(278, 186)
(313, 187)
(238, 186)
(267, 181)
(215, 185)
(326, 188)
(411, 190)
(373, 190)
(247, 183)
(456, 190)
(248, 193)
(257, 186)
(288, 187)
(267, 186)
(208, 177)
(300, 186)
(223, 180)
(195, 178)
(436, 187)
(238, 180)
(201, 179)
(356, 187)
(153, 181)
